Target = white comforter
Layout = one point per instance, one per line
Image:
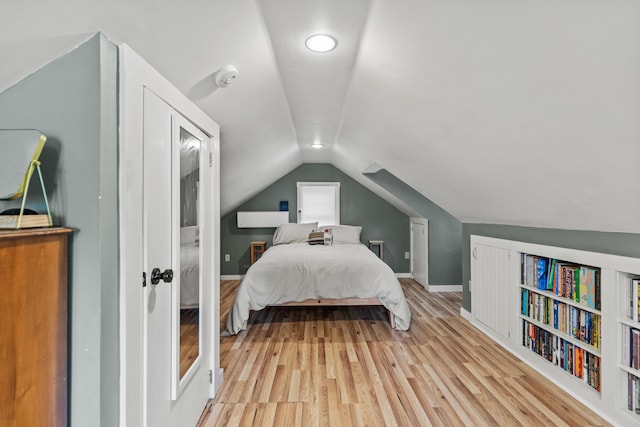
(299, 271)
(189, 276)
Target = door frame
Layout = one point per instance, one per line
(134, 75)
(425, 222)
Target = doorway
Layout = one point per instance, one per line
(420, 251)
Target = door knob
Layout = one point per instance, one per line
(157, 275)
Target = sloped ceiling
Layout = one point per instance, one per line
(510, 112)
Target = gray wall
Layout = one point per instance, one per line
(358, 206)
(625, 244)
(73, 101)
(445, 231)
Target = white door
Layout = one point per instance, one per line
(177, 292)
(420, 251)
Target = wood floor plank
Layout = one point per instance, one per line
(337, 366)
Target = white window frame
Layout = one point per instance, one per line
(336, 185)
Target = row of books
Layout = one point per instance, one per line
(633, 297)
(631, 347)
(579, 283)
(571, 358)
(580, 324)
(633, 394)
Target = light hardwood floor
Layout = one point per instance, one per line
(340, 366)
(189, 345)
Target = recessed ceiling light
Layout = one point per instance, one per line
(320, 43)
(317, 145)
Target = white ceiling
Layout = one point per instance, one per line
(501, 111)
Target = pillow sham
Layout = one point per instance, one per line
(345, 233)
(293, 233)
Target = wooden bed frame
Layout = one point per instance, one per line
(337, 302)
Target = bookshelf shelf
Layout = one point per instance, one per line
(562, 299)
(591, 349)
(629, 370)
(566, 320)
(534, 316)
(629, 323)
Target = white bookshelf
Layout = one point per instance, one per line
(628, 311)
(497, 286)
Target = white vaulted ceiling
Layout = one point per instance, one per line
(500, 111)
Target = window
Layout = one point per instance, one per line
(319, 201)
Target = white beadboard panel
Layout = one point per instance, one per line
(490, 291)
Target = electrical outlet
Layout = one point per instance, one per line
(227, 257)
(406, 255)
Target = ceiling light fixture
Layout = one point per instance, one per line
(317, 145)
(320, 43)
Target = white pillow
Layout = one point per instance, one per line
(293, 233)
(345, 233)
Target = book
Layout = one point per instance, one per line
(626, 336)
(316, 238)
(28, 221)
(629, 299)
(630, 386)
(635, 348)
(541, 273)
(529, 278)
(583, 285)
(576, 284)
(598, 302)
(637, 397)
(551, 275)
(636, 300)
(578, 356)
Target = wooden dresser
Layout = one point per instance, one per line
(33, 327)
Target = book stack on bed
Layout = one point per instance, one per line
(316, 238)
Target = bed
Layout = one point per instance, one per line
(189, 268)
(293, 272)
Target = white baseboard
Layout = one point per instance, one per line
(231, 277)
(444, 288)
(465, 314)
(403, 275)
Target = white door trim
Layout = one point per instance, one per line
(135, 74)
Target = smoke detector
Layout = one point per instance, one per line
(226, 75)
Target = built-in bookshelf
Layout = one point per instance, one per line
(560, 315)
(572, 315)
(629, 324)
